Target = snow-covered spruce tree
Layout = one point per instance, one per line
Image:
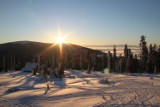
(129, 61)
(109, 61)
(158, 62)
(89, 63)
(149, 63)
(143, 53)
(159, 49)
(125, 56)
(156, 58)
(114, 58)
(135, 64)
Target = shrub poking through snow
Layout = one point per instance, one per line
(104, 81)
(151, 78)
(47, 86)
(14, 89)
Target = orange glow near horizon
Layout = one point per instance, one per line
(60, 41)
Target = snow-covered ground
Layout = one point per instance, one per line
(21, 89)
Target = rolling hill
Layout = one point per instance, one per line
(21, 52)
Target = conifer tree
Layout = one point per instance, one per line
(89, 62)
(125, 57)
(143, 53)
(114, 58)
(149, 63)
(135, 64)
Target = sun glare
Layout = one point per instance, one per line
(60, 39)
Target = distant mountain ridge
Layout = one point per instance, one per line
(27, 51)
(26, 46)
(22, 42)
(22, 47)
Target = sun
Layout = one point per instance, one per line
(60, 39)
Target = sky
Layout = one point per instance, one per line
(83, 22)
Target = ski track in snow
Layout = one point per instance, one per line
(83, 91)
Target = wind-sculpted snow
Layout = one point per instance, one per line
(84, 90)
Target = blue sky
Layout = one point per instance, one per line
(82, 22)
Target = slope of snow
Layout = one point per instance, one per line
(22, 89)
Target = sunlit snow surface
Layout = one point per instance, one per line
(79, 89)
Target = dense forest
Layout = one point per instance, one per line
(147, 61)
(14, 56)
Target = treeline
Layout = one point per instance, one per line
(149, 57)
(147, 61)
(81, 58)
(9, 62)
(74, 57)
(15, 56)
